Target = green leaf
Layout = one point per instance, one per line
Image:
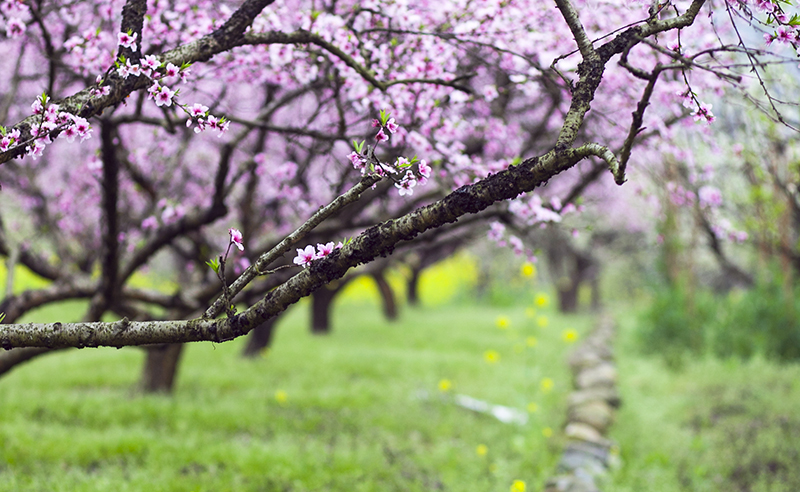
(385, 116)
(214, 264)
(2, 317)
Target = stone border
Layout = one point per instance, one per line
(588, 452)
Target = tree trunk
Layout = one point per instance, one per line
(595, 283)
(387, 295)
(412, 288)
(568, 292)
(321, 301)
(259, 339)
(160, 367)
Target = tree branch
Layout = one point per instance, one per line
(86, 105)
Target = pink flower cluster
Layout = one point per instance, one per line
(52, 119)
(308, 254)
(408, 179)
(163, 95)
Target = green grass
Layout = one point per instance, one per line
(363, 409)
(712, 425)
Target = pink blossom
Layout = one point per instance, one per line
(150, 64)
(489, 92)
(37, 149)
(171, 71)
(381, 137)
(710, 197)
(704, 113)
(83, 127)
(132, 69)
(198, 109)
(392, 126)
(305, 256)
(324, 250)
(127, 40)
(784, 35)
(236, 238)
(496, 231)
(424, 171)
(124, 71)
(765, 5)
(15, 28)
(164, 96)
(5, 143)
(150, 223)
(357, 161)
(407, 184)
(37, 107)
(516, 244)
(69, 133)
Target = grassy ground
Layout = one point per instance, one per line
(362, 409)
(712, 425)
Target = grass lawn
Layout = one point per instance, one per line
(712, 425)
(359, 410)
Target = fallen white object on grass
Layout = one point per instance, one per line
(507, 415)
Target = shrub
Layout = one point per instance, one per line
(764, 319)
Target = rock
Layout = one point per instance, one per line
(584, 358)
(585, 432)
(599, 452)
(608, 395)
(570, 483)
(596, 413)
(603, 375)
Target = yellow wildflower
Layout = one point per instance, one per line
(546, 384)
(503, 322)
(482, 449)
(518, 486)
(547, 432)
(491, 356)
(533, 407)
(569, 335)
(445, 385)
(542, 321)
(528, 269)
(542, 300)
(281, 396)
